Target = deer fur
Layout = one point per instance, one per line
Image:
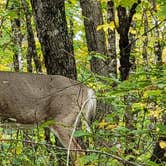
(33, 99)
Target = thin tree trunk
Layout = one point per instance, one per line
(16, 37)
(132, 37)
(91, 11)
(145, 44)
(157, 45)
(124, 45)
(112, 61)
(17, 41)
(125, 19)
(17, 58)
(32, 52)
(53, 36)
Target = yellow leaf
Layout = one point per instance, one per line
(155, 113)
(18, 150)
(164, 55)
(99, 27)
(157, 129)
(137, 16)
(121, 123)
(158, 7)
(139, 105)
(102, 1)
(133, 31)
(3, 67)
(139, 158)
(110, 127)
(162, 144)
(102, 124)
(105, 27)
(111, 25)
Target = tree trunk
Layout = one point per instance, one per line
(32, 52)
(56, 44)
(91, 11)
(145, 44)
(71, 34)
(125, 19)
(53, 36)
(111, 41)
(17, 42)
(124, 46)
(157, 45)
(132, 37)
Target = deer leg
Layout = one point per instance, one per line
(63, 134)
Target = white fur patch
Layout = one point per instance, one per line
(90, 108)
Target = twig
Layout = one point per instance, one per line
(124, 161)
(74, 129)
(145, 33)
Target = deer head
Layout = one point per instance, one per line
(33, 99)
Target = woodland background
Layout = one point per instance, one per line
(116, 47)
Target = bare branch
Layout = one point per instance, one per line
(124, 161)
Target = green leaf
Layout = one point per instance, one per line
(121, 130)
(81, 133)
(162, 129)
(100, 56)
(47, 123)
(88, 159)
(162, 11)
(125, 3)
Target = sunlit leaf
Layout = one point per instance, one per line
(162, 144)
(102, 124)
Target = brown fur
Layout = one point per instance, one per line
(31, 98)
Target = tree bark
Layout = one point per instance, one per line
(71, 34)
(145, 44)
(17, 42)
(55, 41)
(112, 61)
(91, 11)
(53, 36)
(132, 37)
(31, 52)
(157, 45)
(125, 19)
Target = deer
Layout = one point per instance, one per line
(30, 99)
